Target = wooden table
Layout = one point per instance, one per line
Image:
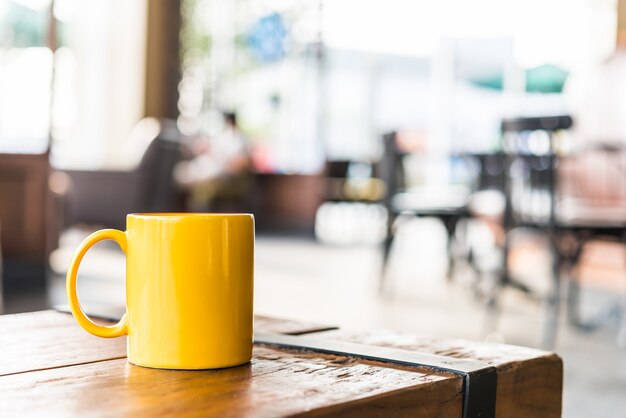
(51, 367)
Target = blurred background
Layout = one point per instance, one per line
(453, 168)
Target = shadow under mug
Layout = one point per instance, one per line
(189, 289)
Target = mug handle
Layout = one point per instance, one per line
(117, 330)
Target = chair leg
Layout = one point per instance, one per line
(506, 280)
(493, 298)
(620, 339)
(450, 225)
(621, 333)
(574, 290)
(387, 243)
(493, 308)
(504, 272)
(573, 298)
(551, 328)
(574, 252)
(554, 301)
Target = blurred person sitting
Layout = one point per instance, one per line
(217, 163)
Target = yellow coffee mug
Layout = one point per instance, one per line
(189, 289)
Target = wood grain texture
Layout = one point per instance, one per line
(530, 381)
(275, 383)
(50, 366)
(47, 339)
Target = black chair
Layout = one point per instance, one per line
(534, 200)
(336, 174)
(350, 210)
(352, 181)
(531, 173)
(583, 220)
(400, 200)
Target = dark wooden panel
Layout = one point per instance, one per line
(25, 201)
(288, 202)
(12, 219)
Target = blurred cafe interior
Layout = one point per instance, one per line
(451, 168)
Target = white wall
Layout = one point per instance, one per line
(100, 81)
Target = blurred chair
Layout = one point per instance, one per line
(592, 209)
(351, 211)
(531, 199)
(352, 181)
(537, 199)
(448, 204)
(336, 175)
(105, 197)
(486, 205)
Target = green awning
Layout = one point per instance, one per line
(543, 79)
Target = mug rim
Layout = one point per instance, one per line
(169, 215)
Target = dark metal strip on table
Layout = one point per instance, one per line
(479, 379)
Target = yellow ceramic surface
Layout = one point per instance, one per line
(189, 285)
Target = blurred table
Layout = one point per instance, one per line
(52, 367)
